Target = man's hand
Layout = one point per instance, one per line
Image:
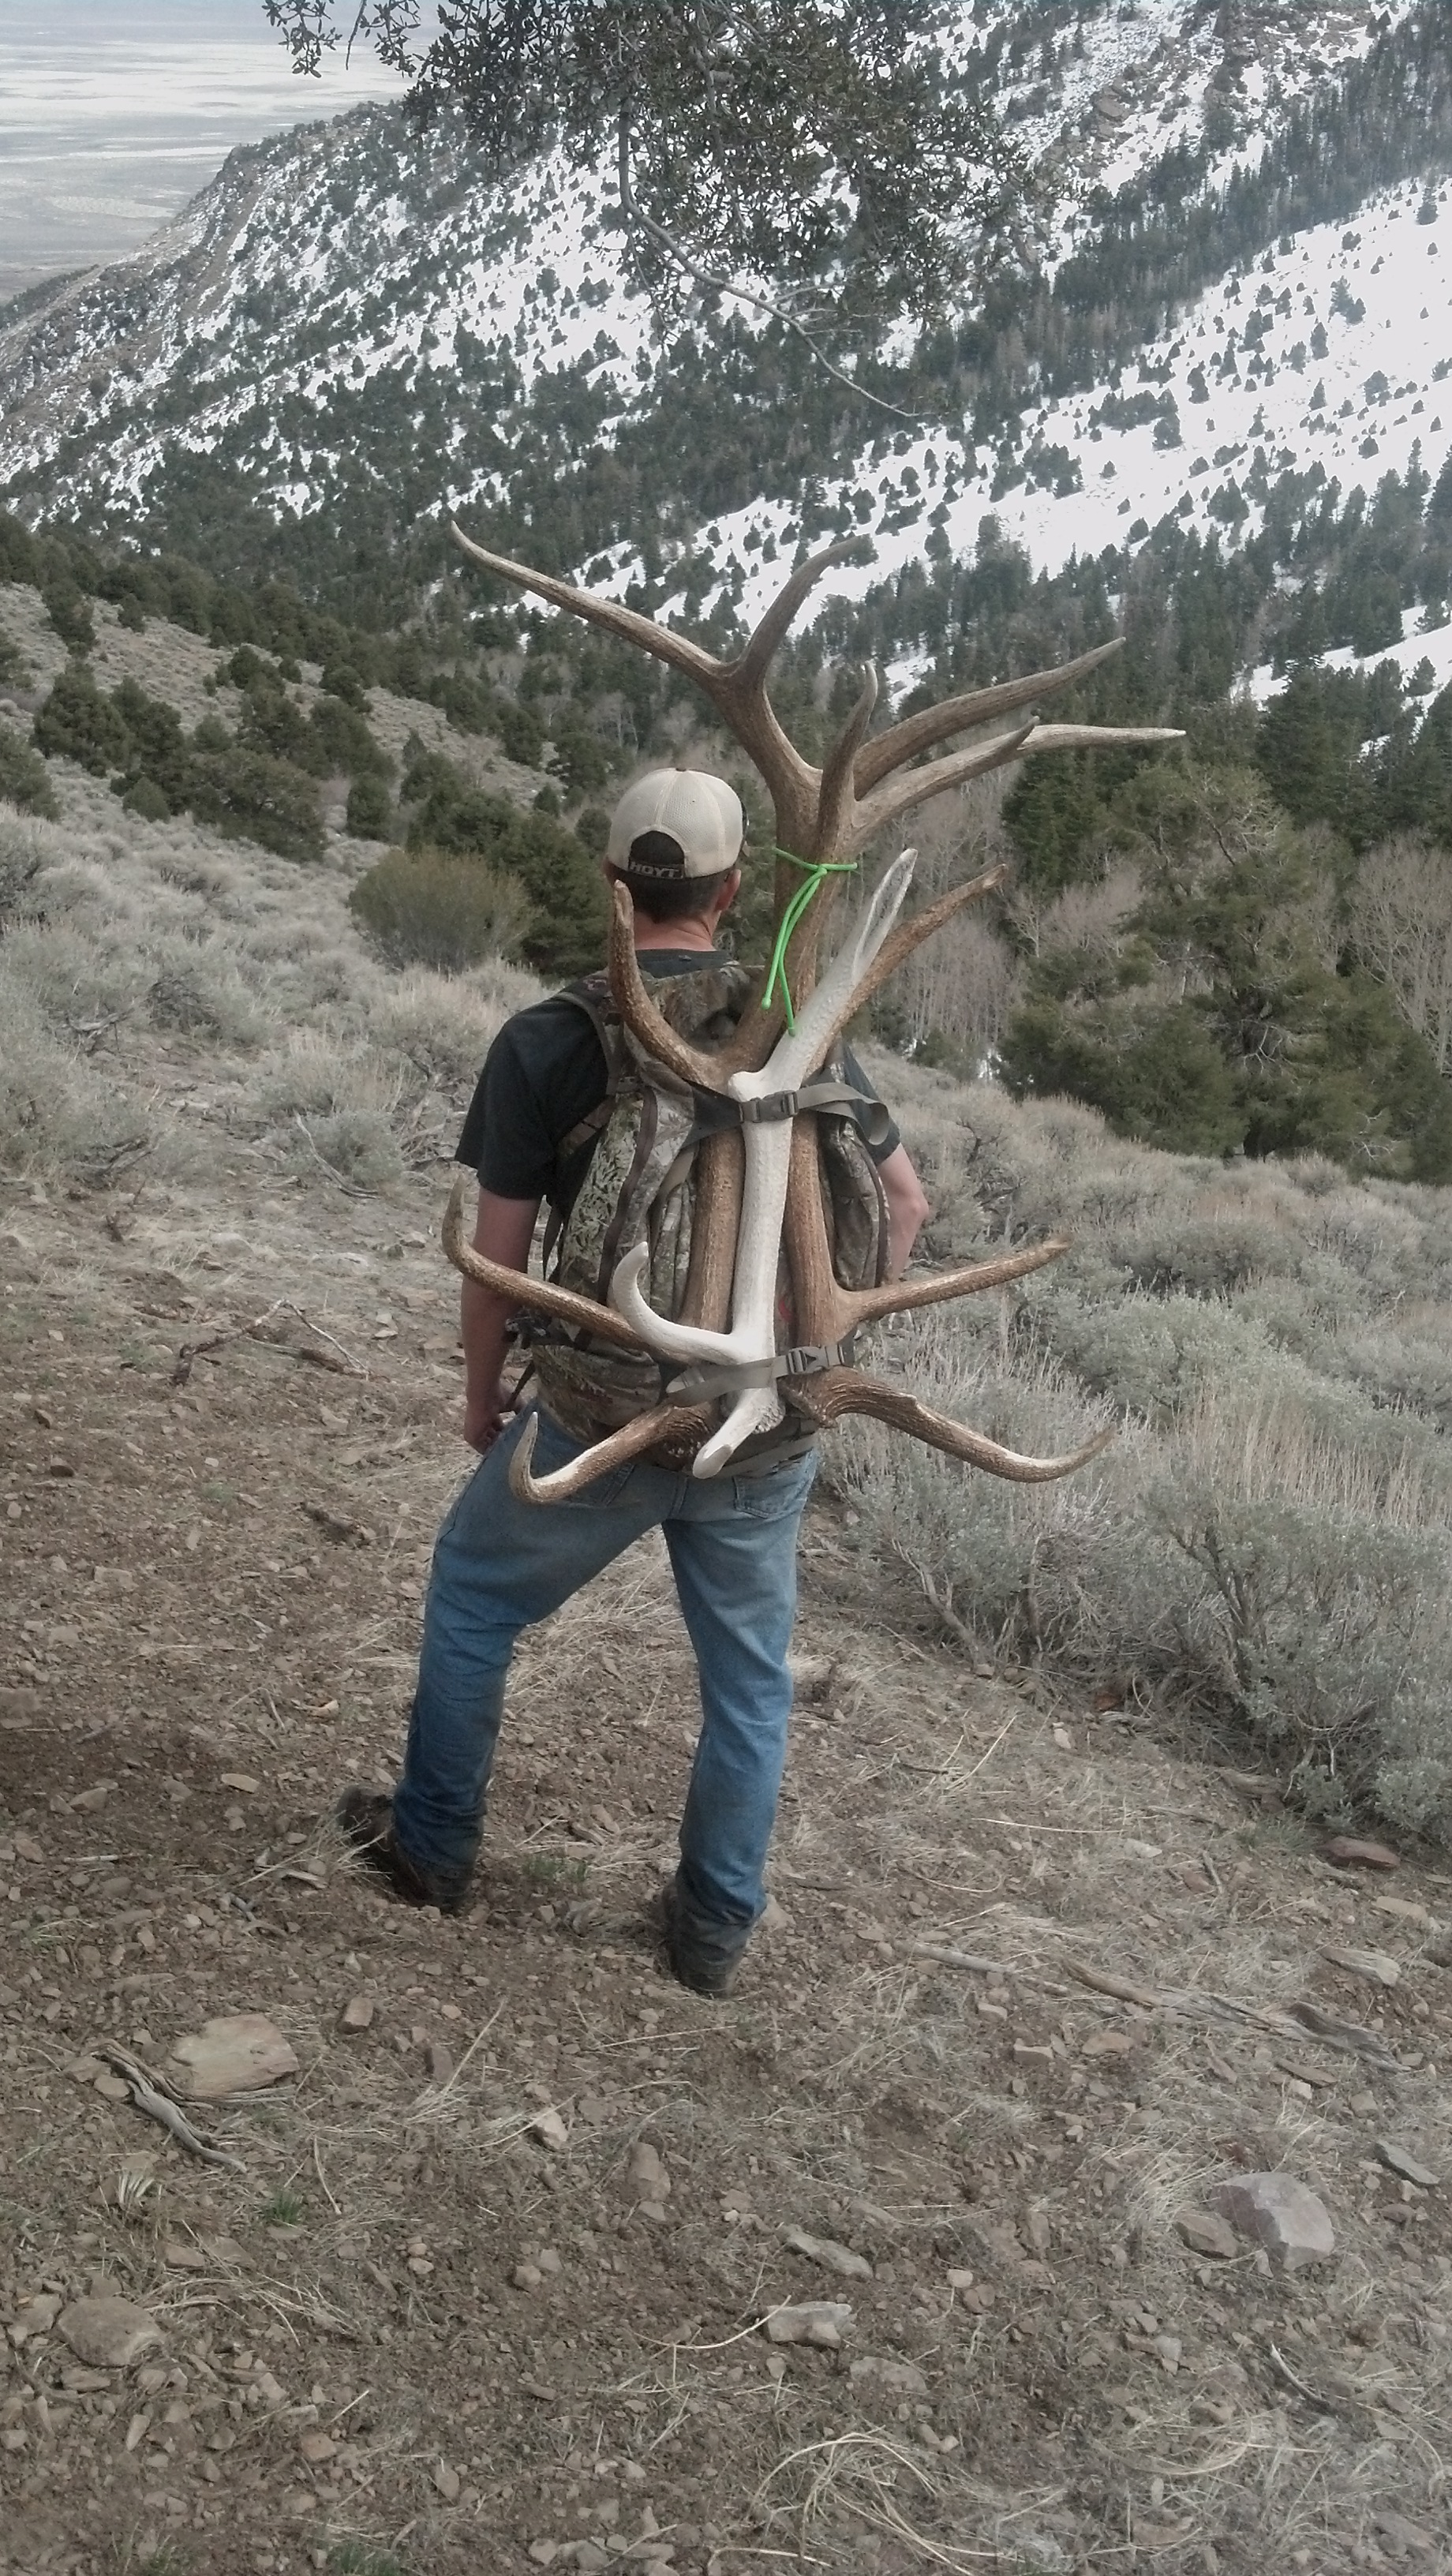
(485, 1417)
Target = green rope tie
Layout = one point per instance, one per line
(817, 871)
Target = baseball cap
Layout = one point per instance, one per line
(700, 813)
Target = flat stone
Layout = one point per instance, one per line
(108, 2333)
(317, 2447)
(1401, 2162)
(1349, 1853)
(1376, 1966)
(34, 2316)
(1275, 2211)
(19, 1703)
(832, 2256)
(439, 2061)
(1204, 2233)
(903, 2377)
(237, 2053)
(819, 2321)
(357, 2013)
(549, 2129)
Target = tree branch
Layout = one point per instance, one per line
(675, 251)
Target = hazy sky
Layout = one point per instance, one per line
(114, 112)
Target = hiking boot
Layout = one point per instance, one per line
(365, 1818)
(703, 1952)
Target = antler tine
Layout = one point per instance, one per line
(935, 1287)
(837, 1392)
(826, 1311)
(912, 786)
(835, 800)
(1090, 737)
(641, 1015)
(909, 935)
(888, 751)
(682, 1425)
(662, 641)
(540, 1296)
(749, 669)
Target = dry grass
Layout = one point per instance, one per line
(1269, 1536)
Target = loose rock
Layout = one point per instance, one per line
(357, 2013)
(439, 2061)
(1375, 1965)
(108, 2333)
(1349, 1853)
(650, 2183)
(1280, 2214)
(820, 2321)
(832, 2256)
(549, 2129)
(237, 2053)
(1400, 2162)
(1204, 2233)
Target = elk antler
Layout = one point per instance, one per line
(747, 1190)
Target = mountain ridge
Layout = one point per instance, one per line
(344, 336)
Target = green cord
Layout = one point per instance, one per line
(817, 870)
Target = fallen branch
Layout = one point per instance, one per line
(1102, 1983)
(160, 2106)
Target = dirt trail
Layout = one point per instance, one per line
(412, 2334)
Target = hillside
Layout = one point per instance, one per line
(1053, 1758)
(1112, 1862)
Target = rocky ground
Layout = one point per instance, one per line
(513, 2269)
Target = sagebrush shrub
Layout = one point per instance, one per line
(439, 908)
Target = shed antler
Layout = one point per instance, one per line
(756, 1188)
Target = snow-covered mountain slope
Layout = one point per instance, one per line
(347, 330)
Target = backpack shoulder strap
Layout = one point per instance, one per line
(592, 995)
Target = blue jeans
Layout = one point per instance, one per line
(500, 1565)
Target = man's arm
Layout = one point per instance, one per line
(503, 1233)
(907, 1209)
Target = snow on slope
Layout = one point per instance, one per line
(336, 266)
(1383, 388)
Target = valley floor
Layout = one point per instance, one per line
(1032, 1986)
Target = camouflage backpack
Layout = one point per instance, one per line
(639, 1187)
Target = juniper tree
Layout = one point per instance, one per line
(822, 160)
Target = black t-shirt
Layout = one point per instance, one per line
(544, 1073)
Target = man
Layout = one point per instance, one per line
(500, 1565)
